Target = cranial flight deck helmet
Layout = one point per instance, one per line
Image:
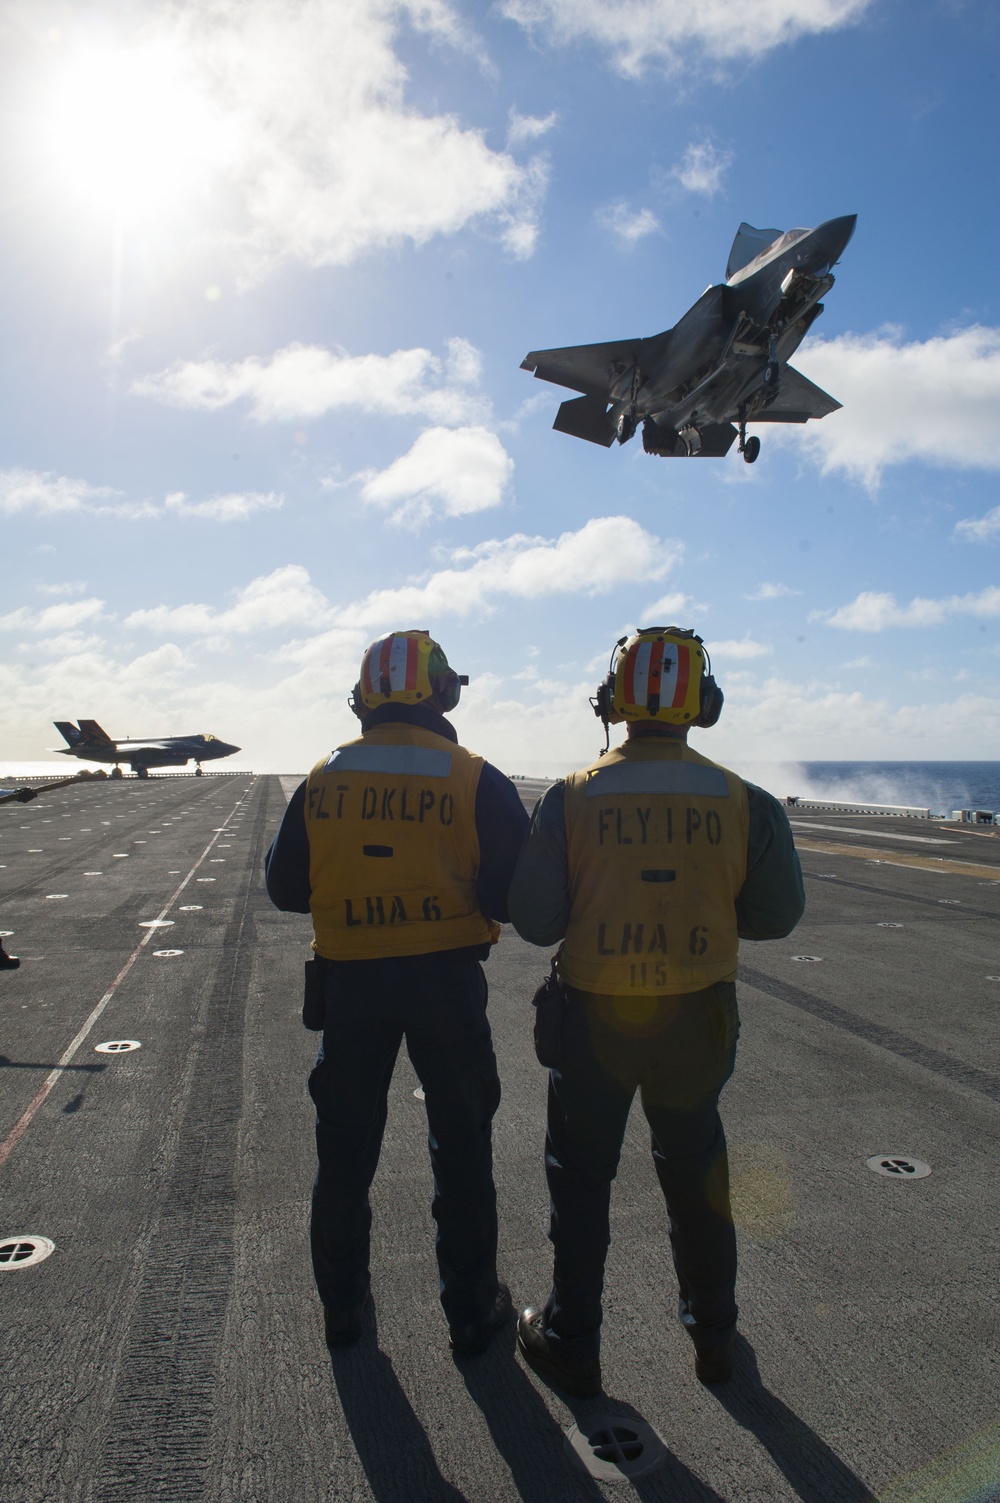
(406, 668)
(662, 673)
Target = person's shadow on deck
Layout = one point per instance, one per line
(391, 1443)
(810, 1466)
(533, 1444)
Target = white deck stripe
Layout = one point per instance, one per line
(17, 1132)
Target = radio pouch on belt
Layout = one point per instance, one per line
(548, 1003)
(314, 995)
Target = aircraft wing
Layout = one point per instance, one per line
(586, 367)
(797, 401)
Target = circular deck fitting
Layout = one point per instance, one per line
(120, 855)
(886, 925)
(117, 1046)
(826, 874)
(950, 902)
(93, 874)
(55, 896)
(898, 1166)
(156, 923)
(189, 908)
(168, 952)
(21, 1252)
(615, 1446)
(6, 933)
(419, 1093)
(993, 978)
(204, 879)
(807, 959)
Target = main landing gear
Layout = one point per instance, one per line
(198, 772)
(625, 427)
(749, 447)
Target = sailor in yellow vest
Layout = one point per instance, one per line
(649, 866)
(401, 844)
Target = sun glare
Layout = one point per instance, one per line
(129, 131)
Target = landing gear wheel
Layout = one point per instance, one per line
(624, 428)
(771, 373)
(142, 772)
(117, 773)
(751, 449)
(198, 773)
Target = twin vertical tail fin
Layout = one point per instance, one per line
(69, 732)
(93, 735)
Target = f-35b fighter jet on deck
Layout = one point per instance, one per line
(92, 744)
(725, 363)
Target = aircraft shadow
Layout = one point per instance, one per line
(810, 1466)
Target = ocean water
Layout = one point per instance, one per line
(939, 786)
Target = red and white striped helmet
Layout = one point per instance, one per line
(406, 667)
(661, 673)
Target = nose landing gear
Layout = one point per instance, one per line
(198, 771)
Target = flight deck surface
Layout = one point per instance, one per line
(171, 1344)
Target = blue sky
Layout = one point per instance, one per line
(269, 272)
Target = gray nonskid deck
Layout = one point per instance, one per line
(171, 1345)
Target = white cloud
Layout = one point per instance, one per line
(324, 153)
(448, 472)
(54, 618)
(980, 529)
(44, 494)
(745, 647)
(69, 587)
(628, 224)
(303, 382)
(236, 506)
(606, 553)
(670, 608)
(771, 592)
(637, 33)
(284, 598)
(875, 611)
(523, 128)
(936, 401)
(702, 167)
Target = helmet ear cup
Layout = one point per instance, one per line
(603, 701)
(712, 700)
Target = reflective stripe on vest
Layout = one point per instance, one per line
(656, 839)
(393, 848)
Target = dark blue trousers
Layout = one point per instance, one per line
(438, 1004)
(678, 1052)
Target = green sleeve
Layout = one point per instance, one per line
(772, 898)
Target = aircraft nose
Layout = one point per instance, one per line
(835, 234)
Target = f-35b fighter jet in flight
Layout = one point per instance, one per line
(725, 363)
(92, 744)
